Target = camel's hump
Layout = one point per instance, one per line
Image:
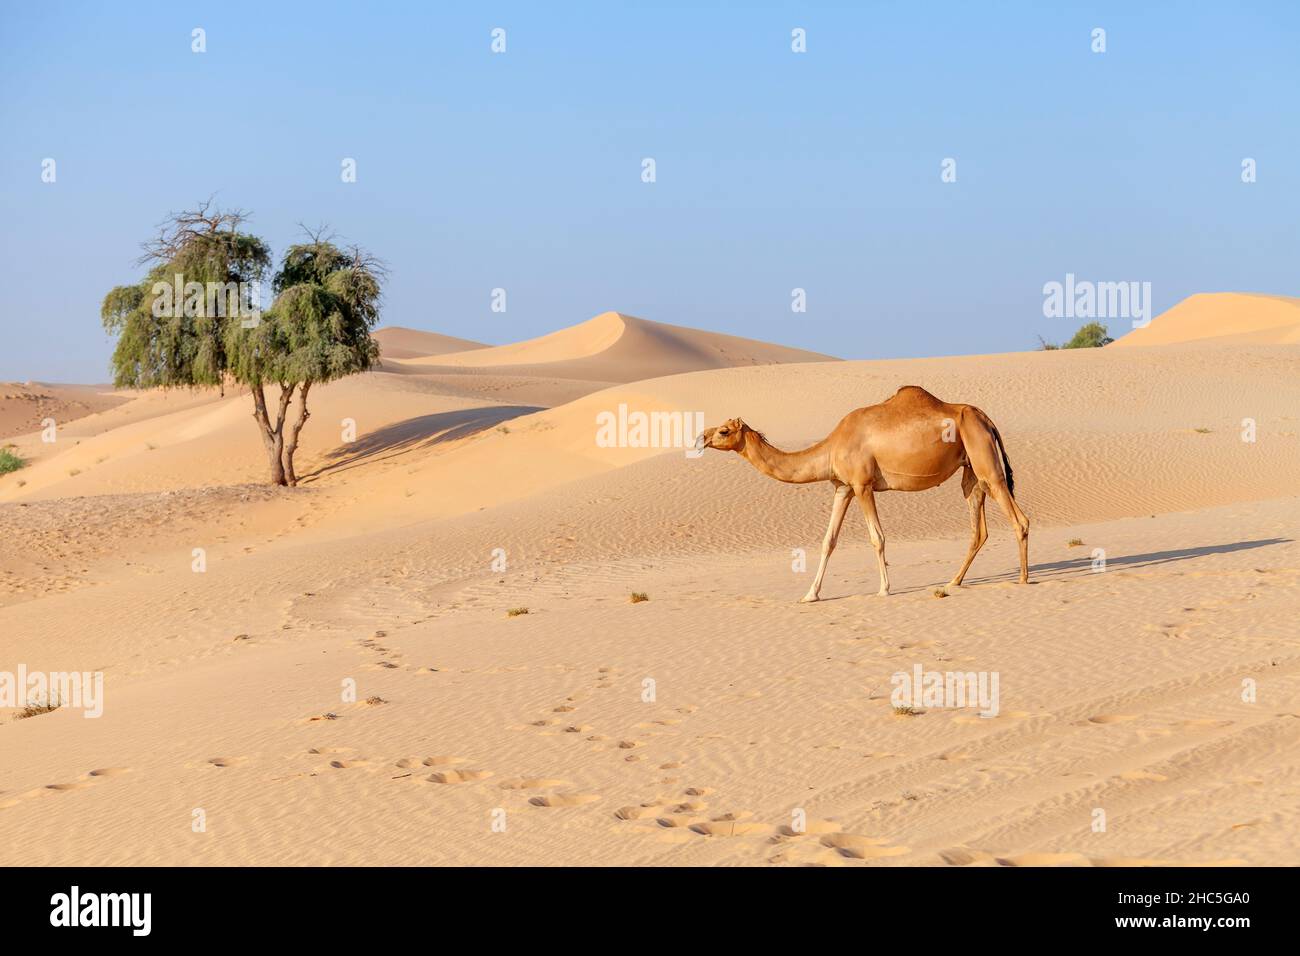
(914, 392)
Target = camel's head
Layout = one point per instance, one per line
(729, 436)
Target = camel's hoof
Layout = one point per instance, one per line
(809, 599)
(882, 594)
(950, 587)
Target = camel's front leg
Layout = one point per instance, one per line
(868, 500)
(843, 495)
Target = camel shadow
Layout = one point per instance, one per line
(1074, 567)
(423, 431)
(1077, 567)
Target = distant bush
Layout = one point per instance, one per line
(9, 461)
(1091, 336)
(639, 596)
(35, 708)
(516, 611)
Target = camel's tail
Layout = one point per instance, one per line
(1006, 462)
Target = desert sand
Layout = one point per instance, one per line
(719, 721)
(24, 406)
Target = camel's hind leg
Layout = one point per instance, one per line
(1018, 520)
(978, 526)
(986, 462)
(843, 495)
(868, 500)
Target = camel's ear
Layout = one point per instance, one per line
(737, 423)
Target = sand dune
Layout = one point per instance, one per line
(422, 401)
(23, 407)
(614, 347)
(1076, 462)
(767, 736)
(396, 342)
(1222, 318)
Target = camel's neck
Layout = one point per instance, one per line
(799, 467)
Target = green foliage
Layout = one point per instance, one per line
(1091, 336)
(159, 345)
(318, 328)
(9, 461)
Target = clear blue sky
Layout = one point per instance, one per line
(775, 170)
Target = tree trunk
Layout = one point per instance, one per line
(272, 433)
(291, 445)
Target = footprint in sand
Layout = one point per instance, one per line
(348, 764)
(858, 847)
(729, 825)
(225, 761)
(965, 856)
(407, 763)
(810, 828)
(458, 776)
(672, 823)
(109, 771)
(64, 787)
(1043, 859)
(641, 812)
(564, 799)
(1111, 718)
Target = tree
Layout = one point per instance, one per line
(192, 320)
(1092, 335)
(317, 330)
(170, 326)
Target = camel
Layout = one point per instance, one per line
(910, 442)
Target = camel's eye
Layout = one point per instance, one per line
(722, 431)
